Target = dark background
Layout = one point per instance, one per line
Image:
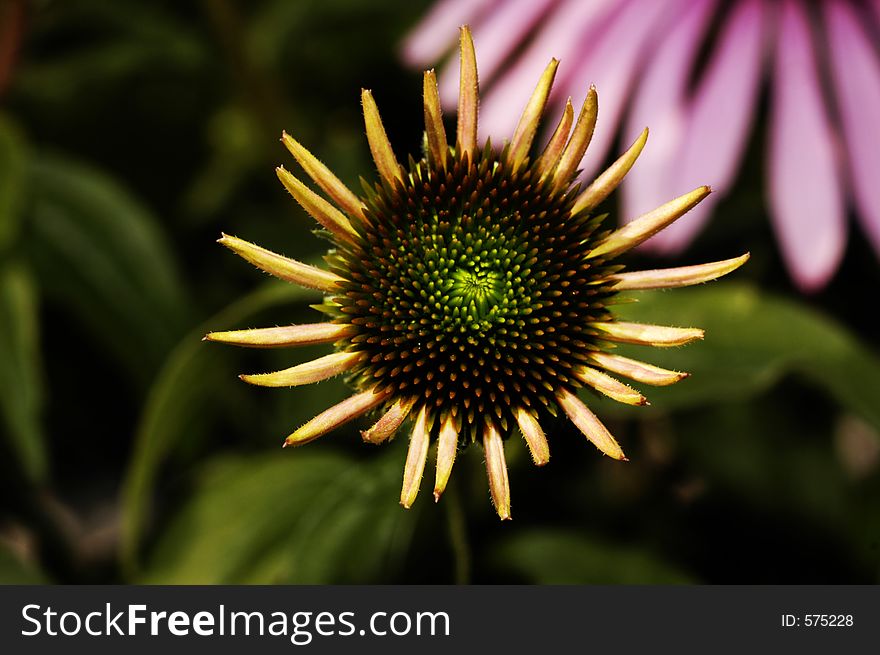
(132, 133)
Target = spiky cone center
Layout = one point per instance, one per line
(470, 292)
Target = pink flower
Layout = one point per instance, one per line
(820, 63)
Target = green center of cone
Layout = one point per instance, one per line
(477, 290)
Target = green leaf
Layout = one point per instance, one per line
(176, 401)
(752, 340)
(12, 181)
(101, 253)
(307, 516)
(14, 571)
(21, 383)
(567, 557)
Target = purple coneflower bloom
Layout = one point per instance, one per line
(820, 63)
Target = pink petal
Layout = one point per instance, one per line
(495, 38)
(611, 62)
(805, 192)
(856, 76)
(718, 121)
(437, 32)
(659, 104)
(571, 23)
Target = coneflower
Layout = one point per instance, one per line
(469, 292)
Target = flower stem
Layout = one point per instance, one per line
(458, 540)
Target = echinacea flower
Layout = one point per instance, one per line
(693, 70)
(470, 290)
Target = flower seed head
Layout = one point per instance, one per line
(468, 293)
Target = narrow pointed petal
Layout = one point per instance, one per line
(549, 159)
(496, 469)
(611, 387)
(436, 133)
(332, 418)
(380, 147)
(318, 208)
(447, 446)
(281, 267)
(314, 371)
(416, 457)
(668, 278)
(580, 139)
(531, 116)
(636, 370)
(468, 95)
(287, 335)
(385, 427)
(806, 187)
(589, 425)
(324, 178)
(647, 335)
(608, 181)
(646, 225)
(534, 436)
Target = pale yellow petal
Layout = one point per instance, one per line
(416, 457)
(319, 369)
(281, 267)
(683, 276)
(647, 335)
(283, 336)
(604, 184)
(447, 447)
(468, 96)
(588, 424)
(385, 427)
(380, 147)
(636, 370)
(531, 116)
(647, 225)
(332, 418)
(496, 470)
(534, 436)
(318, 208)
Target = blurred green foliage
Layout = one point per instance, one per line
(132, 133)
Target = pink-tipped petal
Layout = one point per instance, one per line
(431, 38)
(609, 386)
(659, 336)
(385, 427)
(683, 276)
(496, 469)
(659, 101)
(856, 77)
(281, 267)
(636, 370)
(416, 457)
(580, 139)
(646, 225)
(336, 416)
(534, 436)
(805, 188)
(447, 446)
(718, 119)
(317, 370)
(589, 425)
(284, 336)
